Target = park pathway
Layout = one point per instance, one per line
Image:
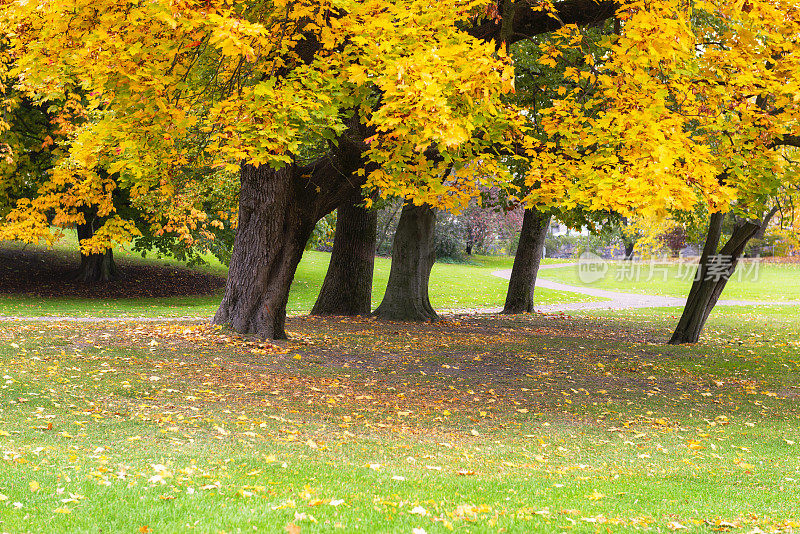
(619, 301)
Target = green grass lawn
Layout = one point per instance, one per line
(474, 424)
(452, 286)
(749, 282)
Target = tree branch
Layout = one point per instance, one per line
(786, 140)
(530, 20)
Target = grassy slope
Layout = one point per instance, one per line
(452, 286)
(765, 282)
(386, 429)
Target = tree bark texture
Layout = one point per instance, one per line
(277, 213)
(347, 289)
(413, 256)
(519, 298)
(714, 271)
(95, 267)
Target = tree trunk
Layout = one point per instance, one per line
(519, 298)
(347, 289)
(277, 213)
(714, 271)
(629, 245)
(270, 238)
(94, 267)
(628, 242)
(413, 255)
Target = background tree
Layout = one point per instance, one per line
(347, 288)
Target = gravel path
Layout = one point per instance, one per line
(615, 301)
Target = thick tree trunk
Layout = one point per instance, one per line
(277, 213)
(270, 239)
(94, 267)
(714, 271)
(347, 289)
(413, 255)
(519, 298)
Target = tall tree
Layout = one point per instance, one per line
(713, 133)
